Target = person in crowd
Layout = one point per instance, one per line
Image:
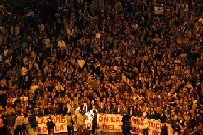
(80, 121)
(18, 126)
(164, 129)
(70, 123)
(126, 126)
(32, 126)
(50, 126)
(10, 123)
(94, 122)
(25, 124)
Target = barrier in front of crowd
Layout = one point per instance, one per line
(106, 123)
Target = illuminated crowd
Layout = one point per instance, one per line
(119, 57)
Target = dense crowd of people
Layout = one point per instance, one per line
(115, 56)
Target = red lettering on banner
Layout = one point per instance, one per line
(137, 130)
(104, 127)
(63, 120)
(108, 127)
(111, 127)
(59, 128)
(112, 120)
(117, 119)
(43, 121)
(158, 126)
(149, 124)
(154, 125)
(44, 129)
(100, 118)
(57, 119)
(105, 119)
(136, 121)
(39, 129)
(155, 132)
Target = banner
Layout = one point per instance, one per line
(60, 124)
(106, 123)
(109, 122)
(154, 126)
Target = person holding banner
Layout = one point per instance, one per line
(70, 124)
(32, 126)
(18, 126)
(126, 127)
(50, 126)
(145, 125)
(94, 122)
(80, 121)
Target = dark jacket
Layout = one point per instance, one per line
(32, 121)
(50, 125)
(11, 120)
(164, 130)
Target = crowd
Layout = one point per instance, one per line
(115, 56)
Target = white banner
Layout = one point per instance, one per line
(109, 122)
(60, 124)
(154, 126)
(106, 123)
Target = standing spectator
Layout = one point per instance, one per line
(94, 122)
(126, 126)
(10, 123)
(164, 130)
(176, 128)
(80, 121)
(50, 126)
(18, 126)
(25, 124)
(70, 123)
(32, 127)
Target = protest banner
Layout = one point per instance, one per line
(154, 126)
(60, 124)
(109, 122)
(106, 123)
